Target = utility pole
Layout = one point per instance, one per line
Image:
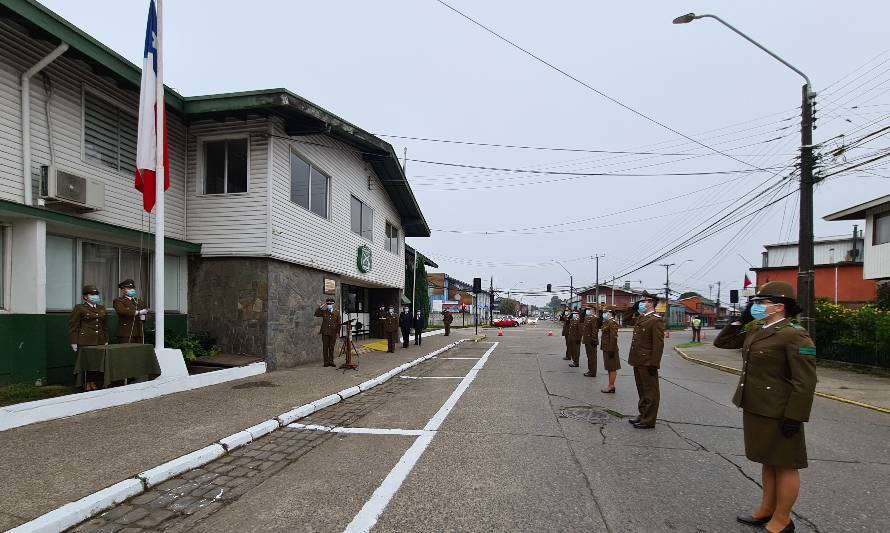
(667, 282)
(597, 291)
(717, 311)
(806, 290)
(490, 299)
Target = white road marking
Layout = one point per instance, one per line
(431, 377)
(461, 358)
(374, 507)
(358, 431)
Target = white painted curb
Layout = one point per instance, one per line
(327, 401)
(350, 392)
(295, 414)
(263, 428)
(236, 440)
(177, 466)
(76, 512)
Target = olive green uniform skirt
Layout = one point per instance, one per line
(611, 362)
(765, 444)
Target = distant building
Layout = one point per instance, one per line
(444, 288)
(703, 307)
(876, 237)
(838, 268)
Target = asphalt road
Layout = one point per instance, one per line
(524, 443)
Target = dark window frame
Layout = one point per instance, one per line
(365, 233)
(126, 130)
(204, 166)
(885, 217)
(313, 171)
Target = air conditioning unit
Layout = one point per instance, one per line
(67, 190)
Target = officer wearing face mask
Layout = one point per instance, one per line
(405, 323)
(390, 328)
(131, 312)
(574, 332)
(330, 330)
(88, 326)
(646, 348)
(775, 392)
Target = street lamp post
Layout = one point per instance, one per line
(571, 283)
(806, 292)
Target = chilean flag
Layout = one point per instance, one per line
(747, 282)
(149, 102)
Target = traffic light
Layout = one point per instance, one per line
(477, 285)
(734, 296)
(549, 288)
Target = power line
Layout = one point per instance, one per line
(586, 85)
(561, 173)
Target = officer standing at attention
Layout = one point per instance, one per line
(330, 329)
(566, 318)
(131, 312)
(609, 346)
(590, 338)
(775, 393)
(390, 329)
(88, 326)
(573, 337)
(405, 323)
(447, 319)
(646, 348)
(419, 324)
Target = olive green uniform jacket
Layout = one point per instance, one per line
(609, 341)
(590, 330)
(779, 369)
(447, 318)
(129, 326)
(330, 322)
(565, 318)
(647, 344)
(88, 325)
(573, 330)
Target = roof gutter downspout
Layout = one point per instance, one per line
(26, 116)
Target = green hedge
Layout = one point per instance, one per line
(860, 336)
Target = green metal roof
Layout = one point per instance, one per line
(301, 116)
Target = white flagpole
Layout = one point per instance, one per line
(159, 185)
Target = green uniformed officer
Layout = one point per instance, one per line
(609, 346)
(775, 392)
(565, 318)
(573, 337)
(131, 312)
(590, 338)
(447, 319)
(88, 326)
(330, 329)
(646, 348)
(391, 328)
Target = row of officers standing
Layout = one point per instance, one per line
(88, 323)
(591, 326)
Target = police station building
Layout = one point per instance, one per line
(274, 204)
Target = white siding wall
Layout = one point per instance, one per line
(123, 204)
(229, 224)
(787, 255)
(877, 258)
(302, 237)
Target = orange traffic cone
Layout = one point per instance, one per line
(500, 332)
(549, 332)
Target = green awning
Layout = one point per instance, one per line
(405, 299)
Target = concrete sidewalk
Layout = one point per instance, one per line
(46, 465)
(867, 390)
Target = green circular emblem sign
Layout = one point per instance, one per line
(364, 259)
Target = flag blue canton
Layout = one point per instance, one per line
(151, 36)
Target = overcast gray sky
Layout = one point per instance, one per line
(413, 68)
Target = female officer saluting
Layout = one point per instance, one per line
(775, 392)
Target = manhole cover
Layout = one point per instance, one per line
(255, 385)
(593, 415)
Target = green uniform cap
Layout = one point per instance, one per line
(90, 289)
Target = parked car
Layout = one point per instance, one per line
(505, 322)
(533, 320)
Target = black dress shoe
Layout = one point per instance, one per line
(589, 375)
(746, 518)
(634, 420)
(608, 391)
(789, 528)
(643, 426)
(573, 365)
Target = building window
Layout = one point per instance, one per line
(3, 256)
(61, 292)
(882, 229)
(362, 219)
(392, 238)
(308, 186)
(225, 166)
(109, 134)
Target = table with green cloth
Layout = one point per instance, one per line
(116, 361)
